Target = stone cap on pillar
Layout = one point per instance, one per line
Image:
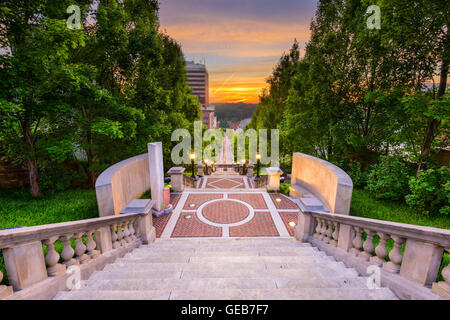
(176, 170)
(143, 206)
(274, 171)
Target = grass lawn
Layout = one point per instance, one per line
(18, 208)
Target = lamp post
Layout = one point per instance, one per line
(193, 163)
(258, 162)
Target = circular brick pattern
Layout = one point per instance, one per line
(225, 212)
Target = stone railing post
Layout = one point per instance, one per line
(176, 178)
(421, 262)
(25, 265)
(103, 239)
(144, 223)
(305, 227)
(345, 240)
(201, 170)
(274, 178)
(443, 287)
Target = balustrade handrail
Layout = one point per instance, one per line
(433, 235)
(10, 238)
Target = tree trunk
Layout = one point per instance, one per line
(434, 124)
(33, 169)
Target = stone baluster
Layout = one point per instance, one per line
(357, 242)
(443, 287)
(114, 237)
(327, 232)
(132, 230)
(52, 258)
(380, 250)
(91, 245)
(80, 249)
(368, 246)
(323, 229)
(335, 235)
(120, 235)
(68, 252)
(4, 290)
(317, 233)
(395, 256)
(126, 232)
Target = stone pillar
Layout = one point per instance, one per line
(345, 240)
(305, 227)
(103, 239)
(156, 173)
(176, 178)
(201, 170)
(421, 262)
(274, 178)
(144, 224)
(25, 265)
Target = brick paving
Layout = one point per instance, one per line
(160, 222)
(261, 225)
(225, 212)
(285, 203)
(255, 200)
(194, 228)
(200, 198)
(288, 217)
(225, 183)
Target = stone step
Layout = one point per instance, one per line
(227, 249)
(311, 273)
(222, 247)
(142, 266)
(259, 259)
(234, 294)
(219, 283)
(249, 253)
(304, 262)
(225, 243)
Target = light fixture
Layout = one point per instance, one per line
(188, 217)
(192, 205)
(278, 199)
(258, 156)
(292, 224)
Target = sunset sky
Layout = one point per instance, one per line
(240, 40)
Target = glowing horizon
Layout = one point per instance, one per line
(240, 43)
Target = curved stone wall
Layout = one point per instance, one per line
(122, 183)
(326, 181)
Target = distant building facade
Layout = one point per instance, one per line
(198, 79)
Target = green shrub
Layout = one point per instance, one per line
(430, 191)
(359, 177)
(389, 178)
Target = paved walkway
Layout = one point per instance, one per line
(227, 206)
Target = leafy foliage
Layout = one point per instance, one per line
(389, 179)
(430, 191)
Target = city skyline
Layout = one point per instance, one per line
(240, 43)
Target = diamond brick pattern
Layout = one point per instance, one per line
(225, 183)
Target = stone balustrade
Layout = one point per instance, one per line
(31, 256)
(189, 182)
(261, 182)
(410, 268)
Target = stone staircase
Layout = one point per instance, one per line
(226, 269)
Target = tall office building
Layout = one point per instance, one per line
(198, 79)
